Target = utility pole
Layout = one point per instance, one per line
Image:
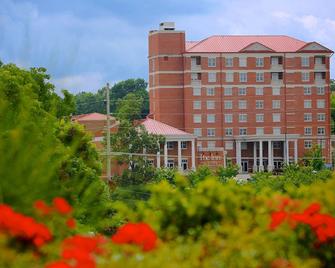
(108, 149)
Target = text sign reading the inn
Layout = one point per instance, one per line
(210, 157)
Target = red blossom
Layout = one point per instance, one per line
(71, 223)
(61, 205)
(42, 207)
(277, 218)
(140, 234)
(58, 264)
(23, 227)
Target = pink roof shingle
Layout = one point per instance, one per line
(235, 43)
(159, 128)
(90, 117)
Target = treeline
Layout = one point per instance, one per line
(131, 89)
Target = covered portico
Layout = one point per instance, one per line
(261, 156)
(179, 146)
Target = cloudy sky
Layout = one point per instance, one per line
(86, 43)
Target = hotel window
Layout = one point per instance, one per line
(320, 90)
(229, 145)
(276, 91)
(197, 118)
(169, 145)
(211, 77)
(228, 118)
(259, 131)
(196, 91)
(276, 104)
(211, 62)
(211, 144)
(170, 163)
(242, 62)
(244, 145)
(259, 91)
(229, 132)
(274, 60)
(242, 118)
(320, 60)
(322, 144)
(308, 144)
(307, 91)
(320, 76)
(259, 62)
(242, 104)
(195, 76)
(320, 104)
(229, 77)
(276, 117)
(243, 77)
(259, 104)
(321, 131)
(242, 91)
(197, 132)
(321, 117)
(183, 145)
(307, 104)
(305, 61)
(305, 76)
(276, 131)
(228, 104)
(211, 118)
(307, 117)
(229, 62)
(210, 132)
(259, 118)
(259, 77)
(210, 91)
(210, 104)
(308, 131)
(196, 105)
(243, 131)
(228, 91)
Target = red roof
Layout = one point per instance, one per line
(90, 117)
(159, 128)
(236, 43)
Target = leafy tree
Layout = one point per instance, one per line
(135, 142)
(227, 173)
(332, 85)
(313, 158)
(332, 113)
(129, 108)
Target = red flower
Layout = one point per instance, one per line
(277, 218)
(140, 234)
(61, 205)
(23, 227)
(42, 207)
(71, 223)
(312, 209)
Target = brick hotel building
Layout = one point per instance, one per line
(257, 100)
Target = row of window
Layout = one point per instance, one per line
(320, 131)
(275, 60)
(242, 104)
(242, 91)
(229, 145)
(243, 76)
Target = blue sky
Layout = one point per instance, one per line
(86, 43)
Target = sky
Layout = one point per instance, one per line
(86, 43)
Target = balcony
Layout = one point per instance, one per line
(195, 67)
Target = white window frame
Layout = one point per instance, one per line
(307, 91)
(229, 62)
(197, 105)
(321, 131)
(305, 77)
(210, 118)
(308, 131)
(308, 104)
(228, 105)
(275, 104)
(211, 61)
(276, 91)
(243, 118)
(320, 90)
(242, 62)
(211, 77)
(197, 119)
(259, 104)
(276, 130)
(308, 117)
(242, 104)
(259, 77)
(259, 118)
(210, 104)
(308, 144)
(170, 145)
(320, 104)
(197, 91)
(259, 130)
(259, 62)
(197, 132)
(211, 144)
(183, 145)
(242, 91)
(276, 117)
(229, 77)
(259, 91)
(210, 132)
(210, 91)
(243, 131)
(229, 145)
(321, 117)
(243, 76)
(228, 118)
(305, 61)
(228, 91)
(229, 131)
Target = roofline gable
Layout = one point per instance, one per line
(266, 49)
(305, 48)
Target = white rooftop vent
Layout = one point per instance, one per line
(166, 26)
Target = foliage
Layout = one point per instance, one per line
(227, 173)
(87, 102)
(135, 142)
(129, 108)
(198, 175)
(168, 174)
(313, 158)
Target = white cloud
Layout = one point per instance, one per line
(80, 82)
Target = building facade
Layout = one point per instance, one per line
(260, 101)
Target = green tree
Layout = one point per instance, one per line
(135, 143)
(314, 159)
(129, 108)
(332, 85)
